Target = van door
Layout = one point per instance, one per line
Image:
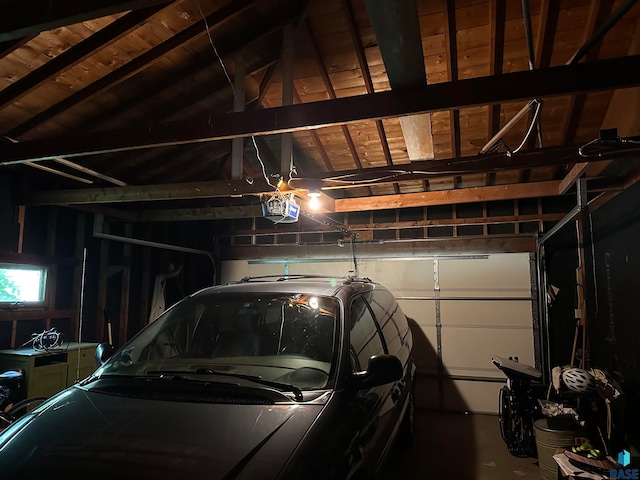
(375, 404)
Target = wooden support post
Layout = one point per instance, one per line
(125, 289)
(103, 277)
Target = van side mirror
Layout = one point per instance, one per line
(382, 369)
(103, 353)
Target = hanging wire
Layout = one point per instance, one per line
(215, 50)
(249, 180)
(599, 148)
(264, 173)
(532, 124)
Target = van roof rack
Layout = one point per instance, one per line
(295, 276)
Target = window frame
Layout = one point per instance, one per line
(43, 288)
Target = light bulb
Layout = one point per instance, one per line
(314, 200)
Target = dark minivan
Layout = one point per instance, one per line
(299, 377)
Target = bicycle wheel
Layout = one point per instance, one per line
(504, 414)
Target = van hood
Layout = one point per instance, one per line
(87, 433)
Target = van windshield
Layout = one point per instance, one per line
(280, 338)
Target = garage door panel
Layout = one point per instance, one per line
(336, 269)
(491, 314)
(423, 312)
(473, 348)
(475, 396)
(427, 393)
(507, 273)
(402, 277)
(424, 349)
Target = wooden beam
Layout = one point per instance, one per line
(19, 20)
(497, 20)
(397, 31)
(630, 179)
(446, 197)
(554, 81)
(33, 259)
(204, 213)
(445, 222)
(231, 188)
(60, 173)
(451, 47)
(576, 172)
(143, 193)
(371, 251)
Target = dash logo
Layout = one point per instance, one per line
(624, 459)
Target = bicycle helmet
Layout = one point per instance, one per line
(578, 380)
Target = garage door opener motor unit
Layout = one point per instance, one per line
(280, 208)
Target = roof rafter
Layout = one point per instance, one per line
(561, 80)
(136, 65)
(67, 59)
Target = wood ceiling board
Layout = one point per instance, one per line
(383, 190)
(473, 38)
(507, 177)
(541, 174)
(466, 37)
(133, 66)
(470, 181)
(41, 15)
(11, 45)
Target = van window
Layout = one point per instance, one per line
(384, 307)
(365, 337)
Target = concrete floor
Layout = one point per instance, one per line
(458, 446)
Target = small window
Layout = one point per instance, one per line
(22, 283)
(365, 338)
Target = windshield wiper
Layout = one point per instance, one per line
(184, 375)
(287, 387)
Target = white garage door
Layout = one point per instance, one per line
(465, 310)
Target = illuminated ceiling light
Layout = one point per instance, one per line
(314, 199)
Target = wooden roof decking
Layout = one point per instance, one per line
(148, 86)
